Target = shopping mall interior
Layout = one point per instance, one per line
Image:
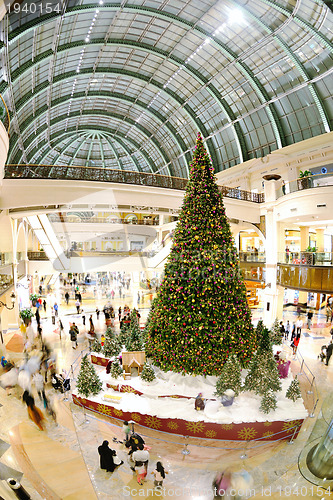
(101, 103)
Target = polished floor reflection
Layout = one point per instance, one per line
(63, 463)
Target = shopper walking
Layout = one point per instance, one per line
(39, 384)
(329, 351)
(299, 324)
(309, 319)
(73, 332)
(67, 297)
(77, 305)
(287, 330)
(159, 475)
(296, 343)
(34, 413)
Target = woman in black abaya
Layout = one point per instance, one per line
(106, 457)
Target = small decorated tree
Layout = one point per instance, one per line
(96, 346)
(268, 402)
(275, 333)
(146, 329)
(259, 329)
(147, 374)
(265, 343)
(124, 333)
(294, 391)
(116, 370)
(88, 382)
(230, 377)
(134, 341)
(263, 374)
(111, 347)
(110, 332)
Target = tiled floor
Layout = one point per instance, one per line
(63, 463)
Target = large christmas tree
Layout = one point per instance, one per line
(201, 314)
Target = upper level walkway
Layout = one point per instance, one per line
(80, 173)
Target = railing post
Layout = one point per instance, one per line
(314, 409)
(292, 437)
(301, 372)
(243, 456)
(185, 451)
(311, 386)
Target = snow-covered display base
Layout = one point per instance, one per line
(167, 404)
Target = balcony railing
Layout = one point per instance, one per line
(252, 256)
(312, 181)
(306, 258)
(37, 256)
(108, 253)
(239, 194)
(79, 173)
(101, 220)
(305, 277)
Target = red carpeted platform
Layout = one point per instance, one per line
(233, 432)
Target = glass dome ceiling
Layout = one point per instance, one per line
(127, 85)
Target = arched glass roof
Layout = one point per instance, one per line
(127, 85)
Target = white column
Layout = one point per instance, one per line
(273, 294)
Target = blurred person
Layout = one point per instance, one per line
(287, 330)
(34, 412)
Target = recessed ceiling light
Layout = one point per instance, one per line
(87, 39)
(101, 2)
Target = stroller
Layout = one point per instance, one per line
(60, 384)
(322, 355)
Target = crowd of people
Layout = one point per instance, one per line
(138, 457)
(33, 375)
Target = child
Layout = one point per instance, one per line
(141, 473)
(159, 474)
(116, 459)
(126, 430)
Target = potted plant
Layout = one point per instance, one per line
(304, 182)
(34, 297)
(26, 315)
